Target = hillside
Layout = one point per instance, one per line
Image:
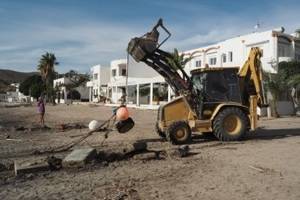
(10, 76)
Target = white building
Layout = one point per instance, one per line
(15, 96)
(67, 96)
(276, 45)
(62, 94)
(100, 76)
(147, 88)
(143, 83)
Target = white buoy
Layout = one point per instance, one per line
(93, 125)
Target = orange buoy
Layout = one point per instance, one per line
(122, 113)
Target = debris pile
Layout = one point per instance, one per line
(79, 158)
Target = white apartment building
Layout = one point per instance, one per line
(276, 45)
(100, 76)
(143, 82)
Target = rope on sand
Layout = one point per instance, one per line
(104, 127)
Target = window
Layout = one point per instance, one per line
(95, 76)
(230, 56)
(198, 63)
(114, 72)
(281, 51)
(224, 58)
(123, 72)
(213, 61)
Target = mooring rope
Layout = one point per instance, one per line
(68, 146)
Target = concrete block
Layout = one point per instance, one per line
(184, 150)
(79, 157)
(135, 147)
(181, 151)
(30, 166)
(146, 156)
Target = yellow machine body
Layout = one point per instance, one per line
(179, 109)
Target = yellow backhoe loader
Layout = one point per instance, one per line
(218, 100)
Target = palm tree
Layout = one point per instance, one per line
(178, 61)
(294, 80)
(46, 68)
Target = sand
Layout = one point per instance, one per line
(265, 165)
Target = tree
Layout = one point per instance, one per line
(74, 94)
(36, 90)
(76, 80)
(160, 91)
(178, 61)
(294, 81)
(289, 69)
(275, 85)
(46, 68)
(6, 87)
(33, 86)
(281, 83)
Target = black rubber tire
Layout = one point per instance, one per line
(159, 132)
(174, 128)
(219, 129)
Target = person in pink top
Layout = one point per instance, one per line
(41, 110)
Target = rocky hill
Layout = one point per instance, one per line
(9, 76)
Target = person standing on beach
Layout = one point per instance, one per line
(41, 110)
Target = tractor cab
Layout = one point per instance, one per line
(217, 84)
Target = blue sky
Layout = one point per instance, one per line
(82, 33)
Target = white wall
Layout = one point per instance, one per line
(103, 77)
(60, 81)
(240, 48)
(270, 42)
(140, 70)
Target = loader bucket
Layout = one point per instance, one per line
(138, 48)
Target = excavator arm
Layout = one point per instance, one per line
(146, 49)
(251, 76)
